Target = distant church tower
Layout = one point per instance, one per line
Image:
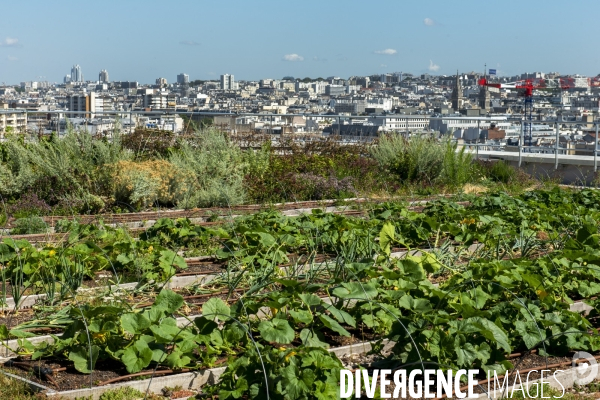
(484, 94)
(457, 94)
(484, 98)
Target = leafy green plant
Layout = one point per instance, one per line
(297, 373)
(29, 225)
(139, 338)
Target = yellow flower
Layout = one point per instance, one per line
(584, 263)
(150, 249)
(395, 287)
(101, 337)
(291, 354)
(52, 253)
(282, 348)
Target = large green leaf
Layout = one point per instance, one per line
(277, 330)
(137, 357)
(310, 339)
(3, 332)
(177, 359)
(216, 307)
(532, 336)
(492, 332)
(168, 331)
(386, 237)
(168, 301)
(303, 316)
(418, 305)
(134, 323)
(341, 316)
(297, 383)
(172, 259)
(310, 299)
(356, 290)
(468, 353)
(333, 325)
(241, 387)
(80, 356)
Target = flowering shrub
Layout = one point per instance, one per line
(144, 183)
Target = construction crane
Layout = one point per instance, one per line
(526, 88)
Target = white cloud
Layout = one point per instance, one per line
(387, 52)
(429, 22)
(10, 42)
(189, 43)
(12, 58)
(293, 57)
(383, 65)
(433, 67)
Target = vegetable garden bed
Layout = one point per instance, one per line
(474, 283)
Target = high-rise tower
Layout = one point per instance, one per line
(457, 94)
(103, 76)
(227, 82)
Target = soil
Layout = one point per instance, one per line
(201, 268)
(70, 378)
(12, 319)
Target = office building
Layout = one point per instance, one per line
(182, 78)
(161, 82)
(103, 76)
(227, 82)
(76, 74)
(88, 103)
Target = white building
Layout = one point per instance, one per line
(391, 123)
(103, 76)
(157, 99)
(161, 82)
(380, 102)
(449, 124)
(11, 121)
(76, 74)
(228, 82)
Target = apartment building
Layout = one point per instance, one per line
(390, 123)
(89, 103)
(11, 121)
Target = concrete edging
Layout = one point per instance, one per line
(188, 380)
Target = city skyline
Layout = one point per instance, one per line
(274, 39)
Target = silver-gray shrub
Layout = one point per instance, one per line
(216, 169)
(76, 163)
(458, 165)
(422, 158)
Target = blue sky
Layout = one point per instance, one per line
(254, 39)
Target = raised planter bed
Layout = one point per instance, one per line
(188, 381)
